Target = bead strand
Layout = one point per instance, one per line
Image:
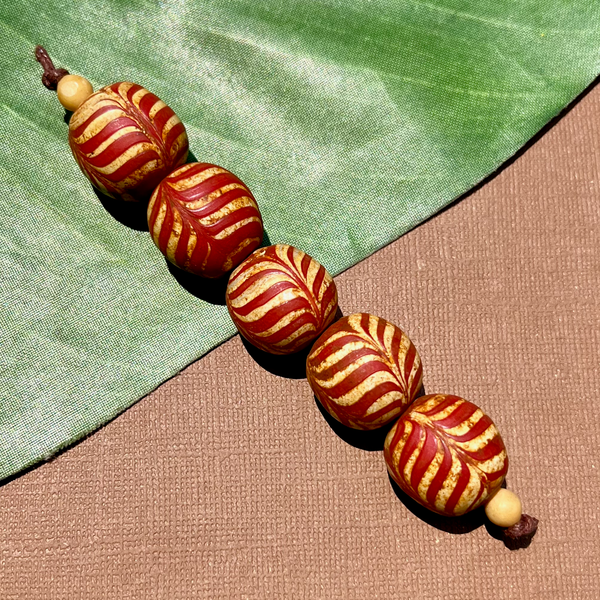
(365, 371)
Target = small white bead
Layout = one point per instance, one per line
(504, 509)
(73, 90)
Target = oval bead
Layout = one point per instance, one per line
(364, 371)
(446, 454)
(204, 219)
(126, 140)
(281, 299)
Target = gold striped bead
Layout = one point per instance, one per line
(204, 219)
(126, 140)
(446, 454)
(364, 371)
(281, 299)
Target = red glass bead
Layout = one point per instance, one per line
(126, 140)
(281, 299)
(364, 371)
(446, 454)
(204, 219)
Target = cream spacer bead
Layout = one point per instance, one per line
(504, 509)
(72, 90)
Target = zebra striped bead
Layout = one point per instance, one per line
(204, 219)
(364, 371)
(281, 299)
(126, 140)
(446, 454)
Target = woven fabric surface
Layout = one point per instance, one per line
(351, 122)
(227, 482)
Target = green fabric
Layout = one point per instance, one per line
(351, 121)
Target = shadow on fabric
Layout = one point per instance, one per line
(455, 525)
(130, 214)
(209, 290)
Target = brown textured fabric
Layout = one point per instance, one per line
(227, 482)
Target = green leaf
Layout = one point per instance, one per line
(351, 121)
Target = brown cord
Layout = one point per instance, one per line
(523, 530)
(51, 75)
